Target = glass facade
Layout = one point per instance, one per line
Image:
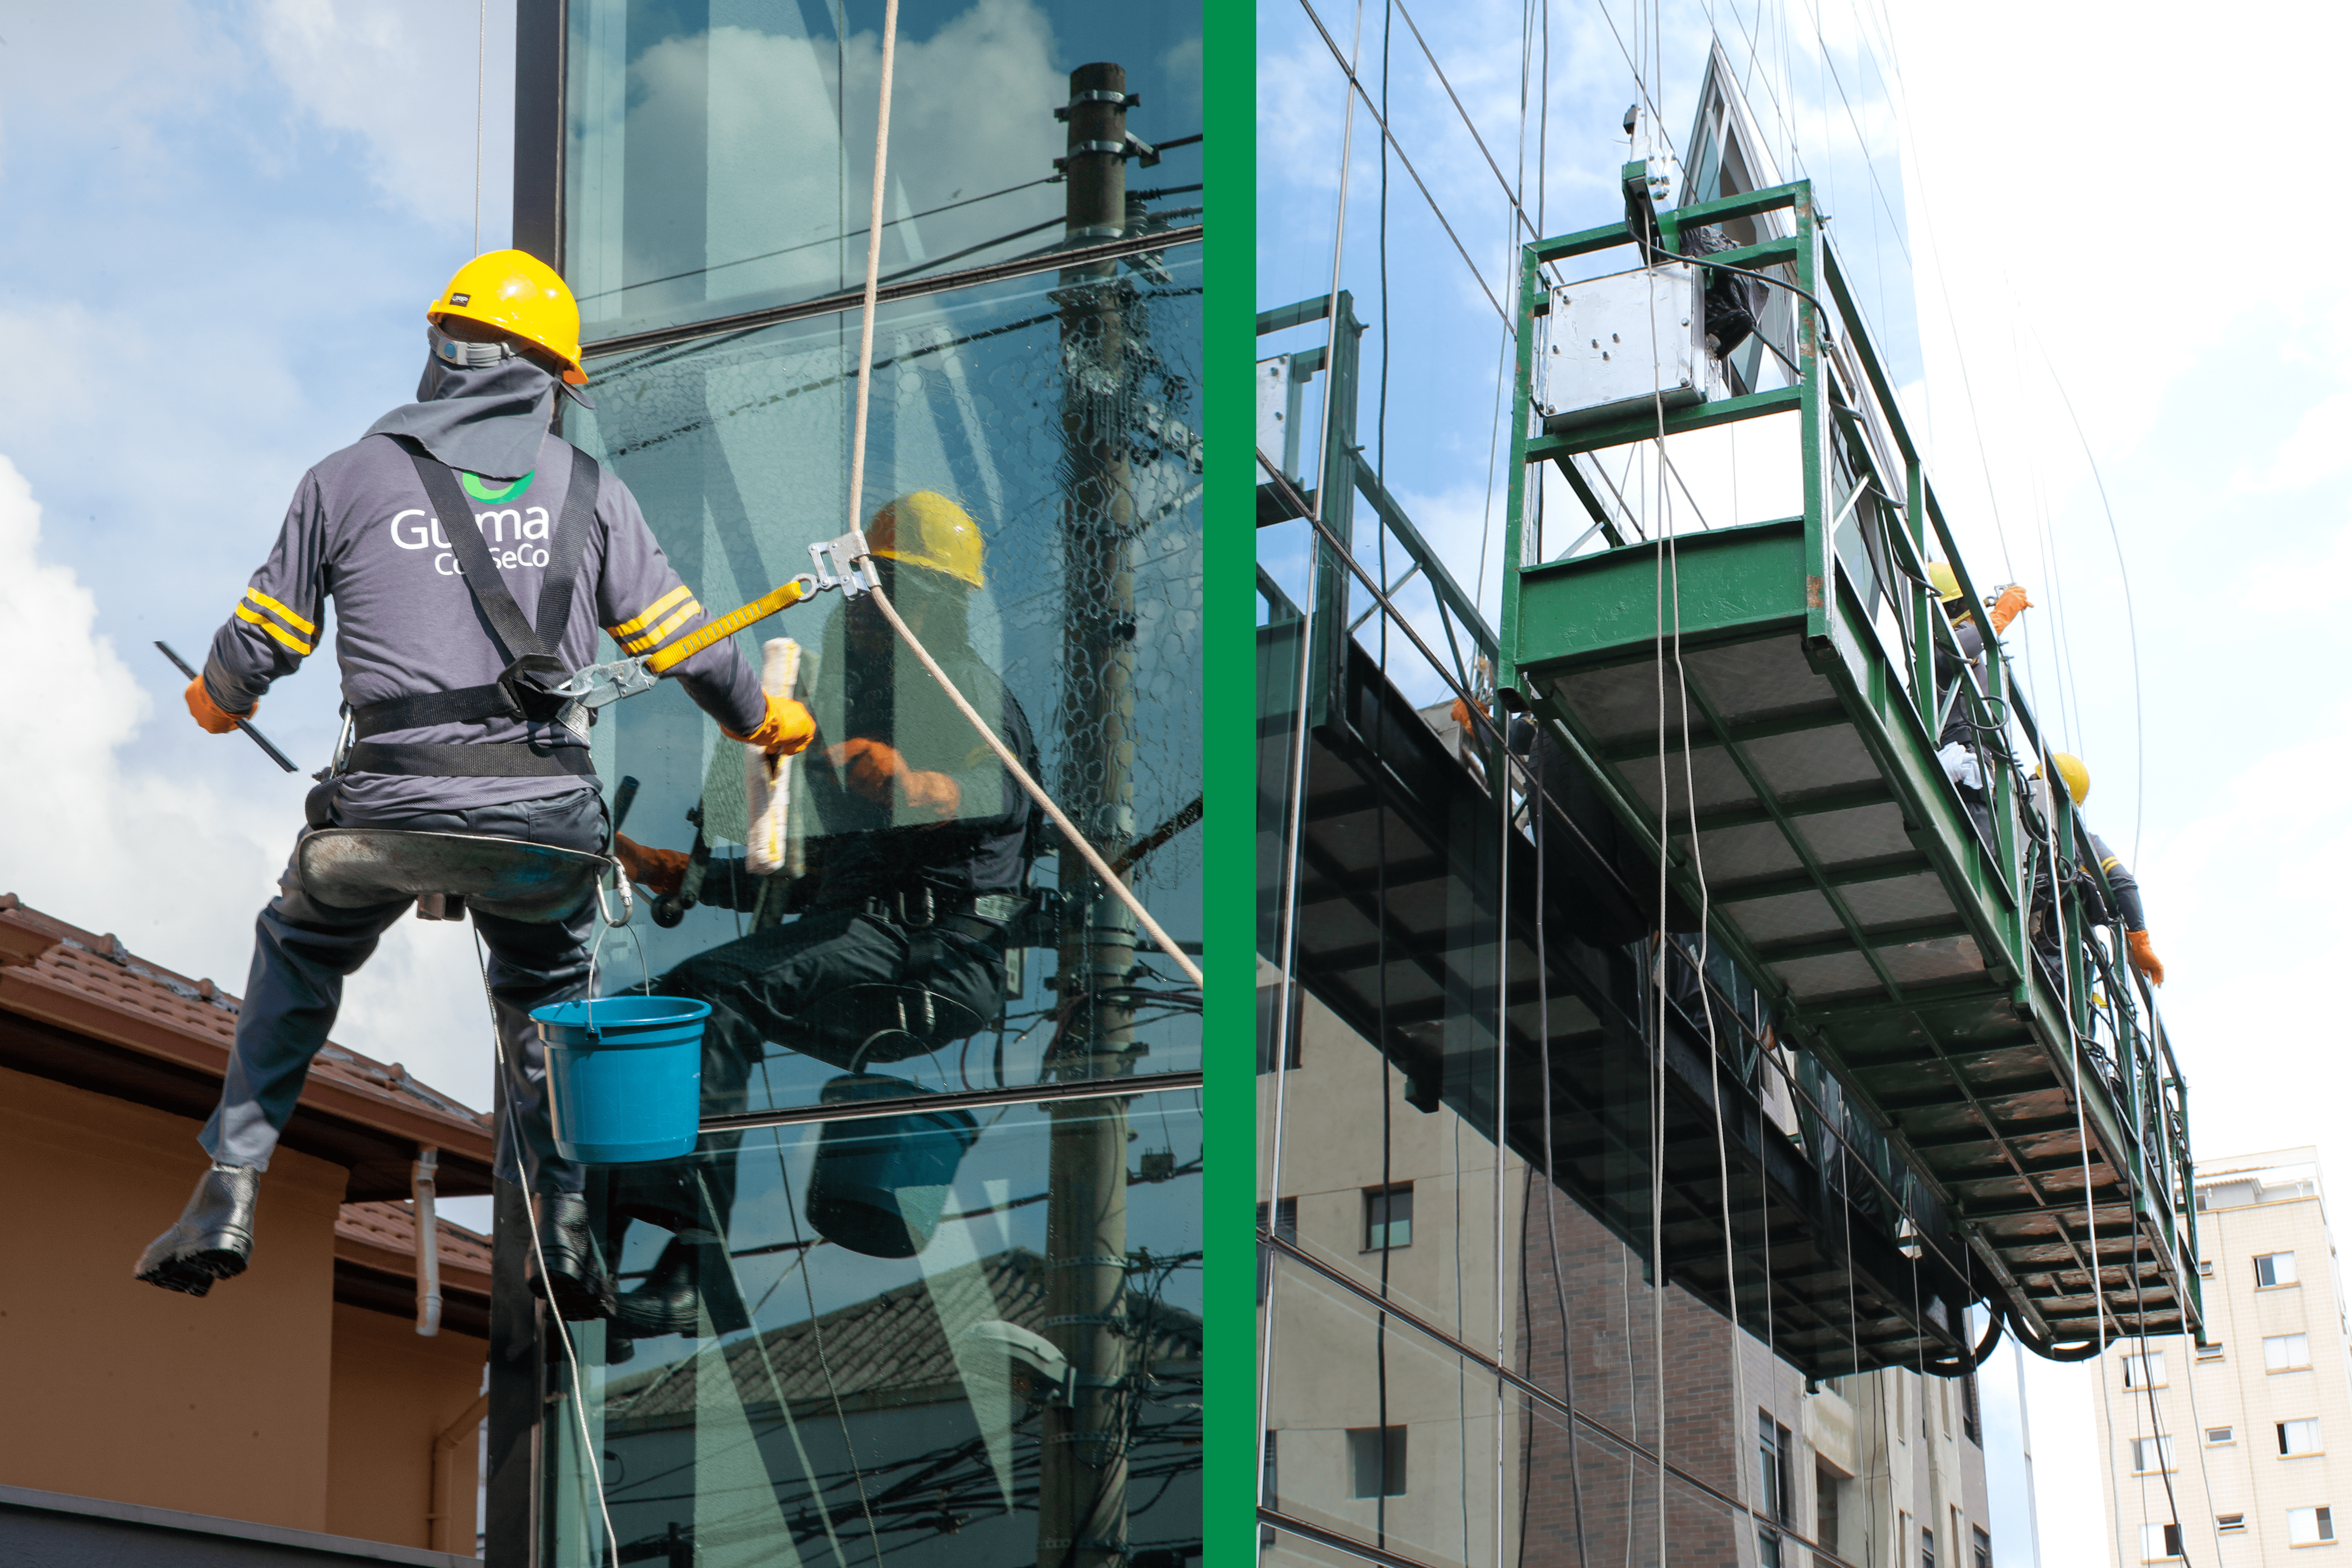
(719, 153)
(1578, 1250)
(928, 1289)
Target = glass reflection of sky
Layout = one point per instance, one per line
(749, 95)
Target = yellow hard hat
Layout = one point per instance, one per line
(2070, 768)
(928, 530)
(515, 291)
(1947, 581)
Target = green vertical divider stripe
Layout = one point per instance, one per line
(1229, 737)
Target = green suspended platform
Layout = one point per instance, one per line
(1804, 669)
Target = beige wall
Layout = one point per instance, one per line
(118, 1390)
(1325, 1381)
(394, 1393)
(2235, 1389)
(265, 1400)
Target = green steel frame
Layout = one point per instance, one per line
(1938, 1065)
(1889, 1331)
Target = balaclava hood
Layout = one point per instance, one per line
(488, 420)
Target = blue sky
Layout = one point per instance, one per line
(2071, 191)
(224, 223)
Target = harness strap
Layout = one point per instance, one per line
(517, 639)
(424, 707)
(483, 580)
(462, 759)
(563, 551)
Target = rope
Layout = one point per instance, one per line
(1295, 806)
(481, 59)
(987, 732)
(563, 1333)
(856, 490)
(1670, 568)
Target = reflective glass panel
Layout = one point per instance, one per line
(719, 153)
(965, 1339)
(1383, 1434)
(1035, 447)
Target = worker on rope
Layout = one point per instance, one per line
(2126, 911)
(1960, 746)
(918, 843)
(428, 534)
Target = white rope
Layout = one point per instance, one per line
(1295, 808)
(562, 1332)
(1095, 862)
(481, 61)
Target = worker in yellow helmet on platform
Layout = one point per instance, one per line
(1956, 744)
(2139, 949)
(430, 534)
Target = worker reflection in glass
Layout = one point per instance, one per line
(918, 844)
(1960, 747)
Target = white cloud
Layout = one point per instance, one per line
(176, 868)
(110, 74)
(403, 79)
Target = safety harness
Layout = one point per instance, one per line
(522, 691)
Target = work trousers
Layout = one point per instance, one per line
(842, 985)
(303, 950)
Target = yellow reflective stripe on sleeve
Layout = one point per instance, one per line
(2111, 862)
(272, 627)
(660, 634)
(281, 612)
(621, 632)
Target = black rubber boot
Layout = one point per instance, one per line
(574, 1281)
(670, 1301)
(213, 1238)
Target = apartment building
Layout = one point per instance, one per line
(2219, 1452)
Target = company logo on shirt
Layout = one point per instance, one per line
(516, 535)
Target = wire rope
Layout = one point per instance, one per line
(1389, 138)
(1534, 230)
(481, 67)
(578, 1400)
(1295, 806)
(1670, 563)
(1551, 1170)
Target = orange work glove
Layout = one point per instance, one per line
(2005, 609)
(784, 733)
(2143, 956)
(214, 718)
(875, 770)
(660, 871)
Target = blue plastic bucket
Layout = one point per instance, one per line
(879, 1183)
(624, 1077)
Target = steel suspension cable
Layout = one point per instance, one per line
(1333, 45)
(1295, 808)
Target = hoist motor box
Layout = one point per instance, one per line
(1623, 344)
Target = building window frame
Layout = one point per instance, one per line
(2284, 1358)
(2303, 1430)
(2321, 1529)
(1382, 1449)
(1387, 1211)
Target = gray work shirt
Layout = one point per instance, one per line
(362, 532)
